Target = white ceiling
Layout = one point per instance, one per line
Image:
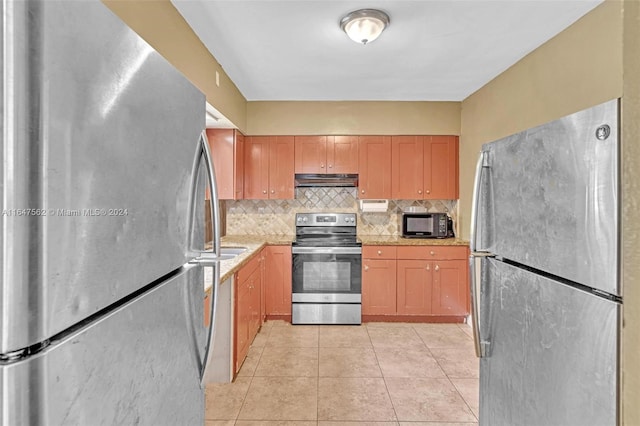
(433, 50)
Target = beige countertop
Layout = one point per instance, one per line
(255, 243)
(274, 240)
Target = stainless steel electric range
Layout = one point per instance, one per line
(327, 270)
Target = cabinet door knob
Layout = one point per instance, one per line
(322, 166)
(264, 191)
(331, 166)
(419, 191)
(432, 253)
(428, 192)
(437, 268)
(366, 267)
(428, 268)
(273, 191)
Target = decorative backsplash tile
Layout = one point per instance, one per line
(276, 217)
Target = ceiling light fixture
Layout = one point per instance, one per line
(364, 25)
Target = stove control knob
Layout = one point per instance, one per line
(304, 219)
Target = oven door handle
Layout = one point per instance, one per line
(326, 250)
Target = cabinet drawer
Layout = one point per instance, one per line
(378, 252)
(249, 268)
(433, 252)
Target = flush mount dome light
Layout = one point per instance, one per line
(364, 25)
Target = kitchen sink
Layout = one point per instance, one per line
(232, 250)
(227, 253)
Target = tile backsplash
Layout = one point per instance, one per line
(276, 217)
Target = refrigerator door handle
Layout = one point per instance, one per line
(475, 200)
(205, 258)
(215, 221)
(481, 346)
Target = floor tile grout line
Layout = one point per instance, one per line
(252, 376)
(454, 385)
(244, 398)
(384, 380)
(465, 401)
(318, 383)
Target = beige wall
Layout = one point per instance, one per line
(162, 26)
(588, 63)
(359, 118)
(580, 67)
(630, 160)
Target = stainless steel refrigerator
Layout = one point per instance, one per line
(102, 177)
(544, 240)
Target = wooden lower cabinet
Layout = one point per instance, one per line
(450, 289)
(414, 284)
(247, 321)
(424, 282)
(378, 287)
(277, 282)
(262, 289)
(242, 320)
(207, 310)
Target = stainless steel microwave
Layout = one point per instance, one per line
(426, 225)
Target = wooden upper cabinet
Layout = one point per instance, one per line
(342, 154)
(424, 167)
(227, 150)
(374, 167)
(326, 154)
(407, 167)
(269, 167)
(256, 167)
(441, 168)
(238, 158)
(281, 168)
(311, 154)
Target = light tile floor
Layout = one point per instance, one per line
(374, 374)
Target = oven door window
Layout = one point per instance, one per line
(326, 273)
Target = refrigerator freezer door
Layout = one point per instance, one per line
(101, 133)
(137, 366)
(549, 198)
(553, 352)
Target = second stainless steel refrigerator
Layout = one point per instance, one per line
(102, 180)
(544, 240)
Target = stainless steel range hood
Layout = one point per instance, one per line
(326, 180)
